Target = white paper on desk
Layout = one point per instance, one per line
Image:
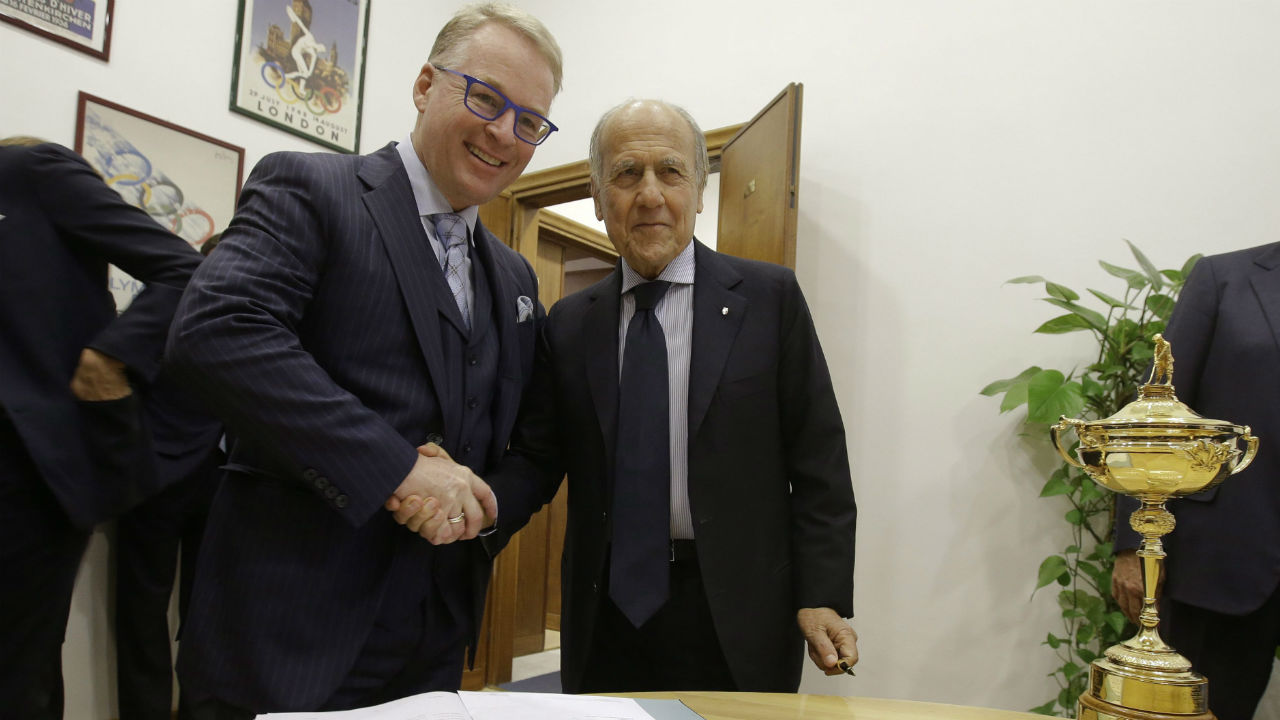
(550, 706)
(427, 706)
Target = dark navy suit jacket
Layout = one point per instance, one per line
(61, 227)
(1224, 554)
(315, 330)
(769, 485)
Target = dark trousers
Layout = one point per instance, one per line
(1235, 652)
(676, 649)
(150, 539)
(39, 553)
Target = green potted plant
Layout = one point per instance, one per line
(1090, 619)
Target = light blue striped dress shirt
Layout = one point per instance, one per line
(675, 312)
(431, 201)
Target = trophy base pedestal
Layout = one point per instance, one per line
(1119, 692)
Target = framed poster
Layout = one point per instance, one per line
(186, 181)
(82, 24)
(299, 65)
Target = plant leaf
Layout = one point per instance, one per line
(1053, 567)
(1047, 708)
(1064, 324)
(1055, 486)
(1090, 492)
(1135, 279)
(1000, 386)
(1161, 305)
(1109, 300)
(1062, 292)
(1153, 274)
(1090, 569)
(1065, 696)
(1190, 263)
(1050, 396)
(1025, 279)
(1116, 620)
(1095, 318)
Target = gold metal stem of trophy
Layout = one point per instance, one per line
(1146, 650)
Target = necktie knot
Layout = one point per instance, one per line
(451, 229)
(648, 294)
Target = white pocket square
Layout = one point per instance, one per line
(524, 309)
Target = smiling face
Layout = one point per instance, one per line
(471, 160)
(648, 195)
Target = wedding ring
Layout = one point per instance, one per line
(457, 518)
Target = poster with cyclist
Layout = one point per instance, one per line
(187, 182)
(299, 65)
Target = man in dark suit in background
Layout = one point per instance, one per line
(1221, 596)
(711, 512)
(74, 447)
(355, 309)
(153, 539)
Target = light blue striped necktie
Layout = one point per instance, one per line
(451, 229)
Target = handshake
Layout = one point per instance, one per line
(441, 500)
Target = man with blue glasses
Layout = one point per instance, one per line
(357, 308)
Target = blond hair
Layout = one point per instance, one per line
(452, 40)
(22, 141)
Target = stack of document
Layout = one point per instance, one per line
(506, 706)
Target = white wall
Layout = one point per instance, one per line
(948, 146)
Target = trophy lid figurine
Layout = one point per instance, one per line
(1153, 449)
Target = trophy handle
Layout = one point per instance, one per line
(1063, 423)
(1249, 452)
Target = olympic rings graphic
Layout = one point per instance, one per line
(277, 72)
(194, 225)
(135, 174)
(162, 198)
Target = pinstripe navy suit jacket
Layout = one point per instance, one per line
(315, 331)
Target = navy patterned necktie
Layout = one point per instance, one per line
(641, 548)
(451, 229)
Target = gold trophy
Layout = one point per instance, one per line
(1154, 449)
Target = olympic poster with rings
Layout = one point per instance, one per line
(300, 66)
(185, 181)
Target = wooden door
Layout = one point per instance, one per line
(760, 181)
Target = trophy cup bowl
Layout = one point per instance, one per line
(1154, 449)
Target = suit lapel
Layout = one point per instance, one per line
(1266, 286)
(718, 313)
(390, 202)
(600, 328)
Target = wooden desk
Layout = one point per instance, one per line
(784, 706)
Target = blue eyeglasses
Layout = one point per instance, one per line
(488, 103)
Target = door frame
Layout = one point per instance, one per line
(515, 219)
